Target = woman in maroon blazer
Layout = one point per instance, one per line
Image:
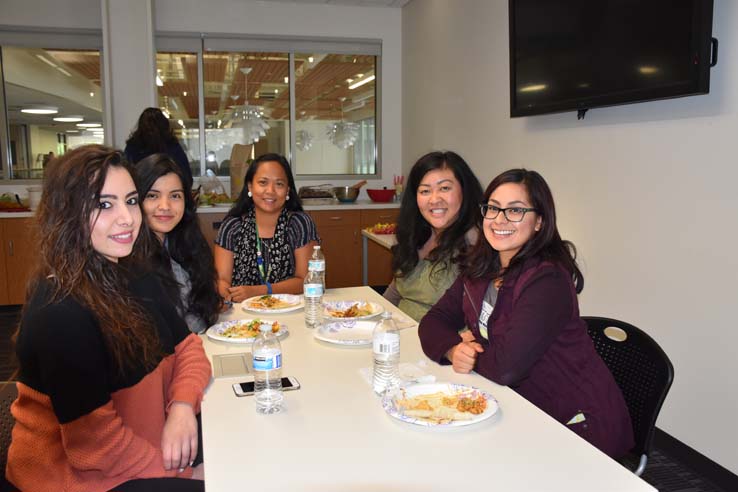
(517, 294)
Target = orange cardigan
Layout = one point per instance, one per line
(72, 443)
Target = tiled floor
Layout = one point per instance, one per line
(663, 472)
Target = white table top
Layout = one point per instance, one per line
(334, 435)
(384, 240)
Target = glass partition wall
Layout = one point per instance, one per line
(53, 101)
(227, 99)
(233, 99)
(335, 114)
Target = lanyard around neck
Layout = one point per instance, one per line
(260, 257)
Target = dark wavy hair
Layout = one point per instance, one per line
(152, 133)
(245, 202)
(413, 230)
(546, 244)
(185, 243)
(73, 268)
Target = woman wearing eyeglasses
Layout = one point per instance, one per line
(438, 221)
(517, 293)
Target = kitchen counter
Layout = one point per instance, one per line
(16, 215)
(357, 205)
(221, 209)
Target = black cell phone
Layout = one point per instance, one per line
(247, 388)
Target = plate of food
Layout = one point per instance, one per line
(347, 332)
(382, 228)
(354, 310)
(244, 330)
(273, 303)
(444, 404)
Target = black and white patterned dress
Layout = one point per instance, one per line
(238, 235)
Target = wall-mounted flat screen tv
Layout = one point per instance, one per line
(573, 55)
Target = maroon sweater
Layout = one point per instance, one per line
(539, 346)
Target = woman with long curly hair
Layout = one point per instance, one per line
(152, 135)
(438, 222)
(110, 379)
(517, 294)
(181, 250)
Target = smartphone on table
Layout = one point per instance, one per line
(247, 387)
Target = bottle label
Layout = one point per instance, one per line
(316, 265)
(313, 290)
(267, 362)
(387, 343)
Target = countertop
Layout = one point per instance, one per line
(16, 215)
(357, 205)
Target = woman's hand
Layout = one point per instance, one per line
(464, 355)
(467, 336)
(179, 437)
(243, 292)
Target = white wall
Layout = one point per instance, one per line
(645, 191)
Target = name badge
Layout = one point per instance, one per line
(485, 314)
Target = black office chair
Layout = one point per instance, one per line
(641, 369)
(8, 394)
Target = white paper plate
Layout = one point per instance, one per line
(295, 302)
(347, 332)
(389, 402)
(216, 331)
(344, 305)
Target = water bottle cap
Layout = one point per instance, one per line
(317, 246)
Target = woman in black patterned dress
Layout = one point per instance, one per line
(264, 244)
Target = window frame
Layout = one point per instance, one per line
(202, 43)
(72, 39)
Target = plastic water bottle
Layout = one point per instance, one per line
(267, 364)
(386, 347)
(314, 288)
(317, 263)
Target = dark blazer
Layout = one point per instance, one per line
(539, 346)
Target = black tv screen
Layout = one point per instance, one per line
(568, 55)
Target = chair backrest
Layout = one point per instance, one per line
(641, 369)
(8, 394)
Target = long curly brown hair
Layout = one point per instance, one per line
(73, 268)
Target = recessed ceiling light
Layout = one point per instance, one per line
(89, 125)
(184, 93)
(159, 82)
(40, 110)
(311, 59)
(362, 82)
(92, 94)
(69, 119)
(286, 80)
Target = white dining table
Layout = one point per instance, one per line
(334, 435)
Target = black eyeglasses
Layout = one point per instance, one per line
(512, 214)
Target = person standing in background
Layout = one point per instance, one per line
(154, 135)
